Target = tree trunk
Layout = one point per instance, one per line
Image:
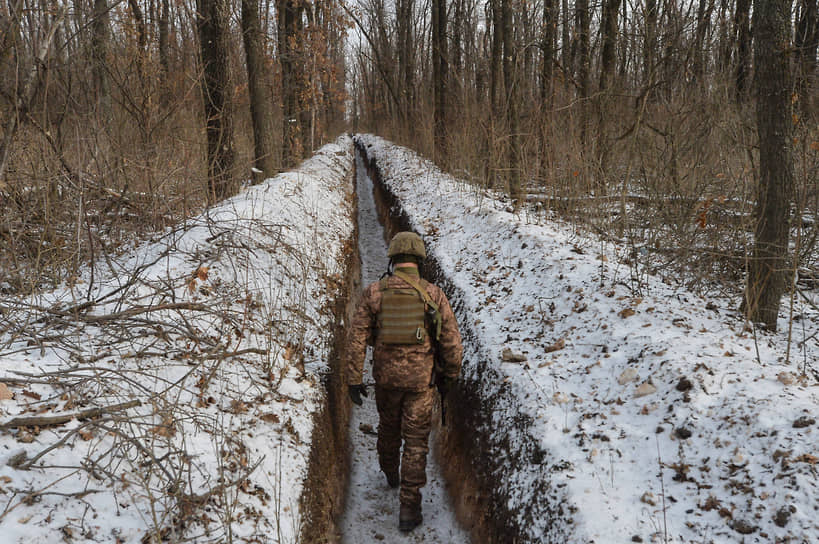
(497, 56)
(289, 16)
(583, 76)
(769, 264)
(806, 44)
(725, 39)
(566, 58)
(258, 79)
(547, 83)
(743, 33)
(212, 19)
(512, 90)
(650, 45)
(704, 10)
(607, 57)
(100, 42)
(164, 39)
(439, 69)
(548, 46)
(406, 66)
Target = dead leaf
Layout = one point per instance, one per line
(626, 312)
(644, 389)
(238, 407)
(628, 375)
(510, 356)
(560, 344)
(202, 273)
(807, 458)
(86, 435)
(270, 418)
(5, 392)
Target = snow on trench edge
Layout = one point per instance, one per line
(231, 379)
(613, 383)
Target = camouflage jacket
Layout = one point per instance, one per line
(407, 367)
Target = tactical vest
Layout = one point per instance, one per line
(401, 319)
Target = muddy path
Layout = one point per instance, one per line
(371, 513)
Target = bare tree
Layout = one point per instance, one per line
(439, 75)
(769, 263)
(742, 22)
(290, 23)
(100, 43)
(258, 79)
(212, 19)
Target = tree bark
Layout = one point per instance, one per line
(212, 19)
(406, 65)
(807, 43)
(258, 79)
(439, 74)
(496, 64)
(769, 264)
(611, 10)
(704, 10)
(512, 88)
(289, 20)
(743, 34)
(650, 45)
(164, 39)
(548, 47)
(100, 43)
(584, 65)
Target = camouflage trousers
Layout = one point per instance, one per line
(405, 415)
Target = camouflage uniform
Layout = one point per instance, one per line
(403, 391)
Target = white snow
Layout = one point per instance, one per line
(581, 452)
(224, 341)
(372, 507)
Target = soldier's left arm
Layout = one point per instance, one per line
(450, 342)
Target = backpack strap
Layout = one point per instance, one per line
(436, 319)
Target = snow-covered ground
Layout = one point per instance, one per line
(624, 408)
(207, 347)
(372, 507)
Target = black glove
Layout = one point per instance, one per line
(356, 392)
(445, 384)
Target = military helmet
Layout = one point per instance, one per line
(407, 243)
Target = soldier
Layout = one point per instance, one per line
(397, 315)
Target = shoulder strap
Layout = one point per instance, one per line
(427, 299)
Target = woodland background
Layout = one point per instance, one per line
(685, 130)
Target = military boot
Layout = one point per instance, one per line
(409, 518)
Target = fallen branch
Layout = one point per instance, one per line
(45, 421)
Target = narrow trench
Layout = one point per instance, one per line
(371, 512)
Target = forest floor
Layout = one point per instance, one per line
(372, 507)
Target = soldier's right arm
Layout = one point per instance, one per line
(361, 329)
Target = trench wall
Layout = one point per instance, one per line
(322, 501)
(482, 463)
